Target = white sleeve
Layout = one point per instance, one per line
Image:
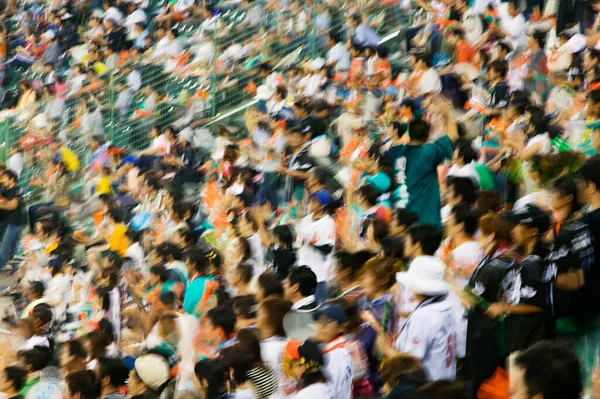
(340, 375)
(325, 235)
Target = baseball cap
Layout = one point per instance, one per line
(426, 276)
(332, 313)
(310, 354)
(531, 216)
(153, 370)
(322, 196)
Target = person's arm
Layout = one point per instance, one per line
(570, 281)
(9, 204)
(499, 308)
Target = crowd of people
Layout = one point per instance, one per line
(374, 230)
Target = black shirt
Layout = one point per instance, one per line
(300, 162)
(17, 216)
(592, 283)
(499, 95)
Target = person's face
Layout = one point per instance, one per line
(531, 43)
(262, 320)
(369, 284)
(452, 228)
(410, 249)
(558, 201)
(339, 275)
(154, 279)
(178, 240)
(65, 357)
(5, 384)
(326, 330)
(451, 196)
(512, 9)
(134, 385)
(518, 387)
(396, 229)
(314, 206)
(213, 333)
(588, 62)
(295, 140)
(522, 234)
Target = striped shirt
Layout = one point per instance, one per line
(264, 380)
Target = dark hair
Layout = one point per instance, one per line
(566, 186)
(132, 235)
(393, 247)
(593, 53)
(464, 214)
(464, 187)
(406, 218)
(277, 309)
(245, 248)
(285, 234)
(501, 68)
(550, 370)
(430, 237)
(168, 250)
(240, 361)
(270, 284)
(458, 32)
(368, 193)
(443, 389)
(84, 383)
(187, 235)
(115, 214)
(42, 312)
(179, 210)
(104, 294)
(245, 270)
(305, 278)
(399, 127)
(419, 130)
(590, 171)
(244, 306)
(466, 152)
(11, 175)
(248, 338)
(37, 358)
(114, 369)
(223, 316)
(37, 287)
(161, 272)
(334, 37)
(17, 376)
(76, 348)
(422, 56)
(215, 372)
(168, 298)
(352, 262)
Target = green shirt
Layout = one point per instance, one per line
(415, 171)
(28, 385)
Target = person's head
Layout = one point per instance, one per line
(319, 202)
(502, 50)
(464, 153)
(513, 8)
(96, 142)
(531, 223)
(35, 359)
(355, 20)
(115, 215)
(242, 275)
(269, 286)
(244, 307)
(72, 354)
(220, 324)
(150, 374)
(247, 225)
(240, 361)
(330, 321)
(284, 236)
(332, 39)
(270, 316)
(420, 60)
(497, 70)
(35, 290)
(456, 37)
(589, 174)
(158, 275)
(463, 220)
(297, 137)
(419, 130)
(591, 59)
(82, 384)
(348, 266)
(183, 238)
(565, 195)
(211, 375)
(377, 231)
(13, 380)
(402, 219)
(41, 317)
(546, 370)
(300, 283)
(112, 374)
(494, 230)
(394, 367)
(366, 196)
(306, 363)
(460, 190)
(444, 390)
(378, 276)
(535, 41)
(195, 260)
(422, 239)
(9, 178)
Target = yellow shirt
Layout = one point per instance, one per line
(104, 186)
(117, 240)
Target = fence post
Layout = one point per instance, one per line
(111, 103)
(5, 134)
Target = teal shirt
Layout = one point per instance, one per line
(415, 171)
(194, 293)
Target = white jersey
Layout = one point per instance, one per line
(430, 335)
(316, 233)
(339, 370)
(271, 352)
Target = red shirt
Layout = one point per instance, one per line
(465, 52)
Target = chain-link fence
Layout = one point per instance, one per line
(216, 75)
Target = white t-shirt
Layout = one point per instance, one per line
(114, 14)
(316, 233)
(339, 370)
(58, 291)
(136, 253)
(314, 391)
(271, 352)
(514, 27)
(257, 254)
(430, 335)
(138, 16)
(161, 143)
(544, 140)
(430, 82)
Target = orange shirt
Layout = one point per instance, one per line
(465, 52)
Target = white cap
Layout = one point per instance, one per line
(426, 276)
(40, 121)
(49, 34)
(153, 370)
(263, 93)
(186, 135)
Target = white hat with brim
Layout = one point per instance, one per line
(153, 370)
(425, 276)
